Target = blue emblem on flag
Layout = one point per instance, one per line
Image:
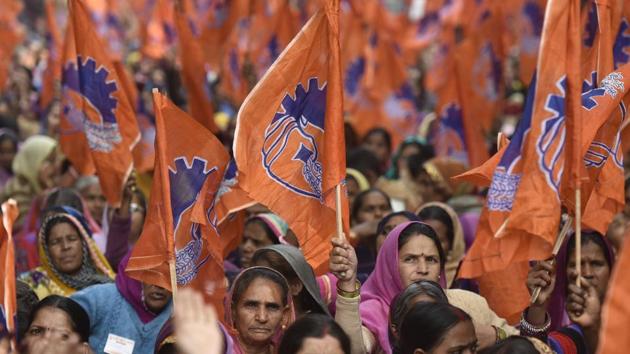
(621, 54)
(90, 104)
(186, 181)
(291, 140)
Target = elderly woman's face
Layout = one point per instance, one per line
(259, 312)
(65, 248)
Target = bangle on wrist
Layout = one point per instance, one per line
(529, 329)
(350, 294)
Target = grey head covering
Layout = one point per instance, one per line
(302, 269)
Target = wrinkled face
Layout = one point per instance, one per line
(65, 248)
(254, 237)
(459, 339)
(374, 207)
(260, 312)
(48, 171)
(95, 201)
(594, 267)
(389, 226)
(418, 259)
(155, 297)
(50, 322)
(327, 344)
(7, 154)
(376, 143)
(442, 231)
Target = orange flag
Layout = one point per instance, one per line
(11, 34)
(8, 307)
(158, 35)
(613, 333)
(289, 143)
(193, 72)
(181, 226)
(532, 165)
(98, 125)
(52, 74)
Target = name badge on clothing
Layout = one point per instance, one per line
(118, 345)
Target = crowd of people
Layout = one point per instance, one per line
(392, 284)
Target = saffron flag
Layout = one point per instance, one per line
(98, 128)
(289, 142)
(8, 308)
(532, 165)
(613, 333)
(52, 74)
(194, 73)
(181, 225)
(231, 197)
(158, 35)
(11, 34)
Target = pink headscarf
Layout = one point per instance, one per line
(382, 286)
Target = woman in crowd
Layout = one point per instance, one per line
(444, 221)
(290, 262)
(258, 310)
(34, 170)
(315, 333)
(70, 261)
(424, 290)
(356, 183)
(8, 149)
(389, 222)
(546, 319)
(261, 230)
(27, 252)
(409, 147)
(368, 209)
(410, 253)
(379, 141)
(128, 309)
(60, 319)
(445, 329)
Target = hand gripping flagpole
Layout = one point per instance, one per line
(340, 233)
(556, 248)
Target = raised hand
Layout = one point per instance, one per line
(583, 305)
(343, 264)
(196, 325)
(542, 275)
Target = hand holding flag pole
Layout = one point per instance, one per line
(556, 248)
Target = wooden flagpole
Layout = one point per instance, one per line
(340, 233)
(556, 248)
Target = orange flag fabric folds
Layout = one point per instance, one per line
(181, 226)
(98, 125)
(613, 334)
(8, 307)
(289, 142)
